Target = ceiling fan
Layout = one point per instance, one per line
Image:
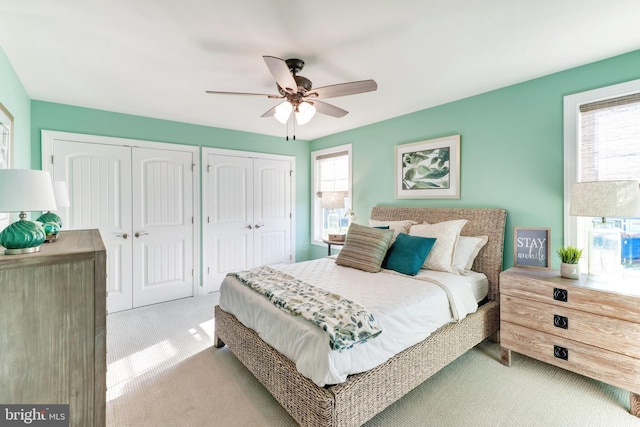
(300, 98)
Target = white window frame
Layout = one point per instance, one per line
(571, 132)
(316, 207)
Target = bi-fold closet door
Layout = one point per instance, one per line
(142, 201)
(248, 216)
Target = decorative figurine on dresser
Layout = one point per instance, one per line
(585, 326)
(53, 327)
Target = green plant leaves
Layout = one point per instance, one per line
(569, 254)
(427, 169)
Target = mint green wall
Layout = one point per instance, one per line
(511, 148)
(66, 118)
(511, 145)
(15, 99)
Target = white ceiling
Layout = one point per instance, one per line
(156, 58)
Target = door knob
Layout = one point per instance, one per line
(259, 225)
(124, 236)
(141, 233)
(248, 226)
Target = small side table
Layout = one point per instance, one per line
(331, 242)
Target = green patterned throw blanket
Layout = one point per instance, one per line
(346, 322)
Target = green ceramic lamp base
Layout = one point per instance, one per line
(51, 229)
(50, 217)
(22, 237)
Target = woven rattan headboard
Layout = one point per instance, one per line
(481, 222)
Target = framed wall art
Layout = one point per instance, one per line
(429, 169)
(6, 151)
(531, 247)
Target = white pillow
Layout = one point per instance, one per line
(466, 252)
(446, 233)
(397, 226)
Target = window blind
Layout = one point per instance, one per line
(333, 173)
(609, 146)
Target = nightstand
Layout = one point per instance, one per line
(587, 327)
(330, 243)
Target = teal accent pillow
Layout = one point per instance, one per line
(407, 254)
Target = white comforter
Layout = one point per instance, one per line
(407, 309)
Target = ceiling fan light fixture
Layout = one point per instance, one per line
(283, 111)
(305, 112)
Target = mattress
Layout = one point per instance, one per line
(408, 309)
(477, 282)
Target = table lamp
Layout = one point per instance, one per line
(605, 199)
(62, 201)
(333, 200)
(24, 190)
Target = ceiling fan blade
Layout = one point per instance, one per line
(216, 92)
(280, 71)
(343, 89)
(270, 112)
(329, 110)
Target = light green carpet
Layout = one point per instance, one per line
(163, 371)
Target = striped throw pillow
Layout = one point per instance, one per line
(364, 248)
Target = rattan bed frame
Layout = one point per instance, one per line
(364, 395)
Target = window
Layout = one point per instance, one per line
(602, 142)
(331, 174)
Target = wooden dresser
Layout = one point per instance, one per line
(587, 327)
(53, 326)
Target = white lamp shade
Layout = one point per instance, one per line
(61, 194)
(605, 199)
(26, 190)
(332, 199)
(283, 111)
(305, 112)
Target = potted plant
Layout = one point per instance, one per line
(569, 256)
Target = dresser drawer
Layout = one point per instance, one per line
(581, 294)
(616, 335)
(607, 366)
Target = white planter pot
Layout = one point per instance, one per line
(570, 271)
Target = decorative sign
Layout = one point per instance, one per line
(531, 247)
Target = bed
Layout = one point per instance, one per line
(363, 395)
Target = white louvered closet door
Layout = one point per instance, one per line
(247, 217)
(162, 225)
(98, 180)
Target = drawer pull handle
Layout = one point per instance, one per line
(560, 294)
(560, 321)
(561, 352)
